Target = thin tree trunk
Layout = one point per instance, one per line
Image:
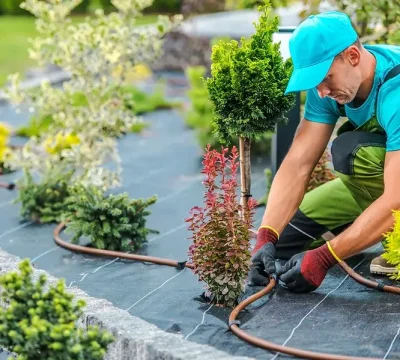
(245, 171)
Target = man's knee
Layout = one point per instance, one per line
(347, 146)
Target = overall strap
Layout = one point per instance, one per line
(393, 72)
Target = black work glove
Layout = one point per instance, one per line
(305, 272)
(263, 258)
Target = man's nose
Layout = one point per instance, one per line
(323, 90)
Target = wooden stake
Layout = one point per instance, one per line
(245, 171)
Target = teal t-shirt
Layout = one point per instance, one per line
(326, 111)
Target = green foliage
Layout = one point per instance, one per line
(248, 82)
(200, 116)
(136, 100)
(392, 245)
(36, 126)
(44, 201)
(40, 320)
(220, 249)
(141, 102)
(112, 222)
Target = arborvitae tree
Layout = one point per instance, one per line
(247, 86)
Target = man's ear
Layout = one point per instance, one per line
(353, 55)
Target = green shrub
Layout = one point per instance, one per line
(40, 320)
(112, 222)
(141, 102)
(44, 201)
(138, 101)
(200, 116)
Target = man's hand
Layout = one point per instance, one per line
(305, 272)
(263, 257)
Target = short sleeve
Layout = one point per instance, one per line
(321, 110)
(389, 113)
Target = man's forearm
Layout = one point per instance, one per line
(367, 229)
(286, 194)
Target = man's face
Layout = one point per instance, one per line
(343, 79)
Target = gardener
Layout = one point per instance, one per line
(342, 78)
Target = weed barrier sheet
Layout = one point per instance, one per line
(341, 317)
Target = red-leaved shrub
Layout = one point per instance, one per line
(220, 250)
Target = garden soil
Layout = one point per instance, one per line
(341, 317)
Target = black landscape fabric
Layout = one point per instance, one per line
(341, 317)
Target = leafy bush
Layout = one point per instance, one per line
(248, 82)
(112, 222)
(200, 116)
(44, 201)
(98, 53)
(40, 320)
(220, 250)
(392, 245)
(141, 102)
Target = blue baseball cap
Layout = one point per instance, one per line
(314, 45)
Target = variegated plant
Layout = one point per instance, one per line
(97, 53)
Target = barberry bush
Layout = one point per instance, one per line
(111, 222)
(220, 235)
(40, 321)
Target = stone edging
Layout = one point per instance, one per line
(135, 338)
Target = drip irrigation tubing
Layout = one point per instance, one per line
(233, 323)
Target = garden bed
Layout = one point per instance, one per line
(342, 317)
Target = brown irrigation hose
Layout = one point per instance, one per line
(8, 186)
(367, 282)
(119, 254)
(236, 311)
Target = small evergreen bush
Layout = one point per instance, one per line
(112, 222)
(44, 201)
(200, 116)
(39, 321)
(220, 250)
